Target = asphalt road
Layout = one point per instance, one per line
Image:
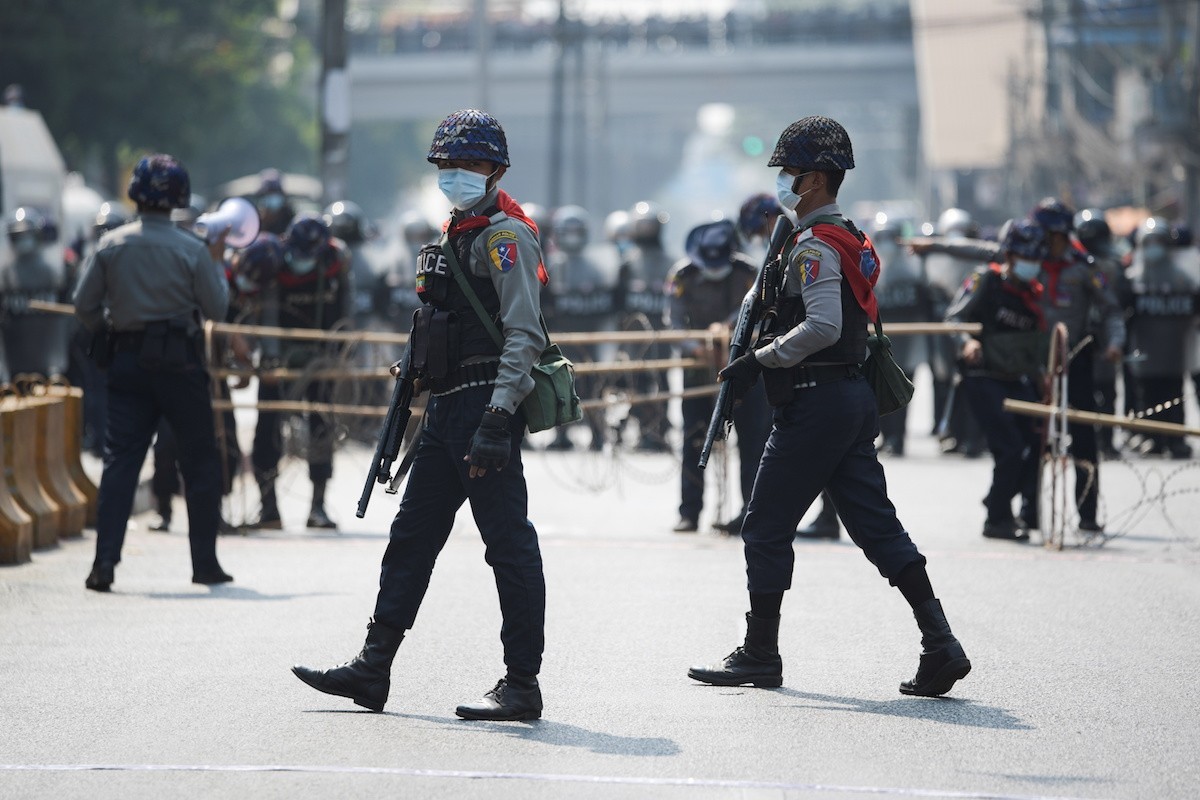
(1084, 682)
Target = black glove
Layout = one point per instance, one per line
(742, 373)
(492, 442)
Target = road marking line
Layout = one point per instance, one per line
(706, 783)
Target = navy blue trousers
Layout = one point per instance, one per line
(268, 434)
(437, 487)
(751, 423)
(823, 439)
(137, 399)
(1014, 441)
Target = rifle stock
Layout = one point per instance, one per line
(739, 341)
(387, 448)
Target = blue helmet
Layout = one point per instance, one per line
(469, 134)
(259, 263)
(1025, 239)
(754, 213)
(161, 182)
(710, 245)
(1054, 216)
(306, 235)
(815, 143)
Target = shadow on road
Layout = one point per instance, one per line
(950, 710)
(561, 734)
(226, 592)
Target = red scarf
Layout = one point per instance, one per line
(512, 209)
(860, 264)
(1030, 293)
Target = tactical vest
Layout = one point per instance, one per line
(436, 287)
(1164, 312)
(851, 346)
(313, 300)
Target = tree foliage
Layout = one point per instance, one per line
(224, 86)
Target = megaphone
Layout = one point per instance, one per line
(236, 215)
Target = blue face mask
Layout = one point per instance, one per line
(783, 190)
(1026, 270)
(462, 187)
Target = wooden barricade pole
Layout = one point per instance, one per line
(21, 429)
(52, 468)
(1096, 418)
(72, 397)
(16, 525)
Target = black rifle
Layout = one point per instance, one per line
(760, 297)
(387, 449)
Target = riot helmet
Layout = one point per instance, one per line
(1054, 216)
(710, 247)
(957, 223)
(1153, 241)
(110, 216)
(646, 224)
(1093, 230)
(416, 230)
(814, 143)
(618, 227)
(1025, 240)
(24, 228)
(757, 215)
(570, 225)
(257, 265)
(303, 241)
(348, 222)
(159, 182)
(469, 134)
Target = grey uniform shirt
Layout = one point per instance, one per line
(814, 271)
(146, 271)
(519, 290)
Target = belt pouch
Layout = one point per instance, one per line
(437, 363)
(154, 345)
(175, 346)
(419, 351)
(780, 385)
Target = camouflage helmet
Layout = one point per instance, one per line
(813, 143)
(160, 182)
(469, 134)
(1025, 239)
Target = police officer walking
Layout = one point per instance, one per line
(470, 449)
(149, 284)
(706, 289)
(826, 421)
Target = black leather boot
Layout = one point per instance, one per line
(366, 678)
(943, 660)
(825, 526)
(756, 662)
(514, 697)
(268, 517)
(100, 579)
(317, 518)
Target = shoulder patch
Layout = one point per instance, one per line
(808, 253)
(810, 270)
(503, 253)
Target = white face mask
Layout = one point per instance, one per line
(1027, 270)
(783, 190)
(462, 187)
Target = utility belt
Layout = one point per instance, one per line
(162, 345)
(480, 373)
(782, 384)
